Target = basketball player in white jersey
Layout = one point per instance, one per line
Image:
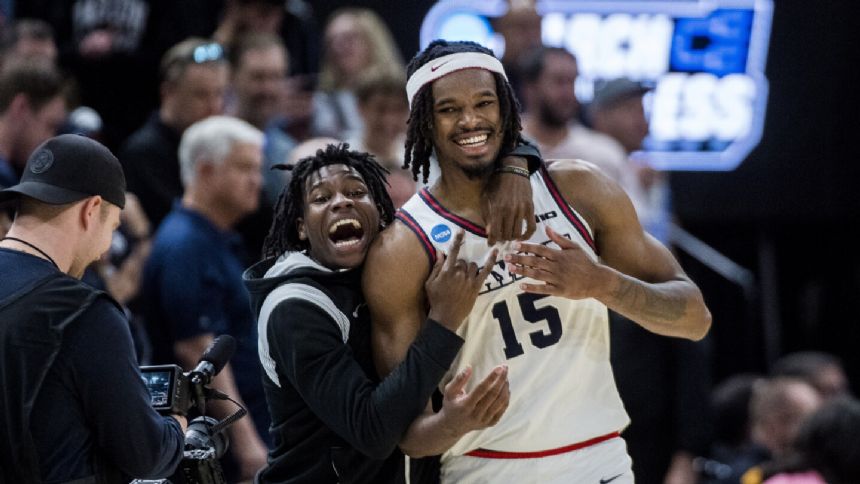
(543, 310)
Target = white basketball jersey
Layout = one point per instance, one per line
(557, 349)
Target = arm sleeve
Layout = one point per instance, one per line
(115, 401)
(307, 347)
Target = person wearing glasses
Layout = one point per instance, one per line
(194, 78)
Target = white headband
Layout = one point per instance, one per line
(445, 65)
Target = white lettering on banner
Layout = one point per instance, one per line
(636, 46)
(698, 107)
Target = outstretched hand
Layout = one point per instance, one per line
(507, 208)
(483, 407)
(566, 272)
(453, 285)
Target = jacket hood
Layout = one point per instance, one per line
(261, 278)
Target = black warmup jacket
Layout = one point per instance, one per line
(332, 419)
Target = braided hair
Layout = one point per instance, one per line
(419, 134)
(284, 233)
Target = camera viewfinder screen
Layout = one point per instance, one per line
(158, 384)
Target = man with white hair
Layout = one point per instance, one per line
(192, 284)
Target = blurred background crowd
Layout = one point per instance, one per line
(768, 393)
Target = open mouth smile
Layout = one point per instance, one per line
(346, 233)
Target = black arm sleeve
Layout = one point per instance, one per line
(115, 401)
(308, 348)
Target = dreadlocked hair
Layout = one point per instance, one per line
(419, 134)
(284, 233)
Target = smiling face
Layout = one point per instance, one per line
(340, 217)
(467, 131)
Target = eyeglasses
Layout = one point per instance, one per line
(173, 66)
(207, 53)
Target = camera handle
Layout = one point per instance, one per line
(206, 441)
(202, 393)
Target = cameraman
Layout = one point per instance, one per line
(74, 406)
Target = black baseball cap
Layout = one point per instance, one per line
(68, 168)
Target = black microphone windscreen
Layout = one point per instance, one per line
(220, 352)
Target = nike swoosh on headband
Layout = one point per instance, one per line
(433, 68)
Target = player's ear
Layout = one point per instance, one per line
(300, 226)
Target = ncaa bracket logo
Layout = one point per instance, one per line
(705, 60)
(441, 233)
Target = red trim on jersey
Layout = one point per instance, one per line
(437, 207)
(565, 208)
(496, 454)
(410, 222)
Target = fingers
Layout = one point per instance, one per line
(536, 273)
(454, 255)
(437, 265)
(506, 226)
(488, 266)
(531, 223)
(492, 227)
(490, 385)
(559, 239)
(487, 401)
(498, 407)
(517, 228)
(536, 249)
(458, 383)
(523, 260)
(547, 289)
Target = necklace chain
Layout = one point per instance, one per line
(28, 244)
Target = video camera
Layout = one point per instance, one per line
(173, 391)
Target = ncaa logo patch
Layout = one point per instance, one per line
(441, 233)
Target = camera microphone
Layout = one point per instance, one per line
(173, 391)
(213, 360)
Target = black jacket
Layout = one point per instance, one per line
(332, 420)
(84, 419)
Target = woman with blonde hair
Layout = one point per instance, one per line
(357, 43)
